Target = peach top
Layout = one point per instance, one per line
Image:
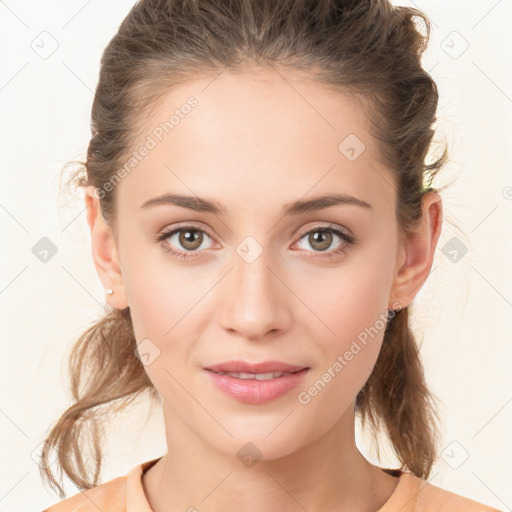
(126, 494)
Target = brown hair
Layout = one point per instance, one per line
(367, 48)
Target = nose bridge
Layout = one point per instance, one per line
(255, 303)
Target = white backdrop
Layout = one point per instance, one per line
(50, 61)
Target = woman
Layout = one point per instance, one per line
(262, 217)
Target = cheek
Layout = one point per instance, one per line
(161, 306)
(157, 290)
(349, 355)
(357, 319)
(166, 302)
(160, 302)
(350, 321)
(348, 300)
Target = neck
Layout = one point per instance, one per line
(328, 474)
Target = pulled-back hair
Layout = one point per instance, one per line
(369, 50)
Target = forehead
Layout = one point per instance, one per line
(239, 137)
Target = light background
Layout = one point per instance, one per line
(465, 307)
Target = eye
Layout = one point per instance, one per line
(320, 238)
(183, 239)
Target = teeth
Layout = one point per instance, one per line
(257, 376)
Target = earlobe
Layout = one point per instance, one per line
(419, 248)
(104, 251)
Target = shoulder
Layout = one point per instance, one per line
(109, 496)
(419, 495)
(121, 494)
(432, 497)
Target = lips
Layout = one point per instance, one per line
(256, 389)
(253, 368)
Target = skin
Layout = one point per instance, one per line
(253, 144)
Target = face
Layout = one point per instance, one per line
(251, 281)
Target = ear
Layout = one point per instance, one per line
(416, 252)
(104, 251)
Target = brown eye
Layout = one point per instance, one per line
(190, 239)
(320, 239)
(185, 241)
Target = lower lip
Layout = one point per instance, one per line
(252, 391)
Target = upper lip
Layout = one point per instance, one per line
(263, 367)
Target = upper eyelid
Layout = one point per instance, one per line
(328, 227)
(182, 227)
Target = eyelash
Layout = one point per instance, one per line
(347, 239)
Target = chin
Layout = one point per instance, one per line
(264, 441)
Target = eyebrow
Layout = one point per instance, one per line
(294, 208)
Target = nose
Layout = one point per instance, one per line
(255, 301)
